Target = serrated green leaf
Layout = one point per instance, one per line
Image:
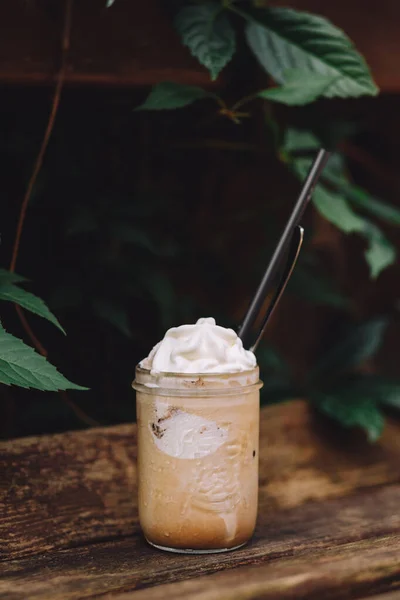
(363, 199)
(299, 88)
(12, 293)
(298, 140)
(21, 365)
(114, 314)
(351, 350)
(381, 253)
(284, 38)
(8, 277)
(336, 209)
(206, 30)
(351, 410)
(168, 95)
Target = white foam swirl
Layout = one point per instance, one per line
(201, 348)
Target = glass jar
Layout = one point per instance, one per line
(197, 459)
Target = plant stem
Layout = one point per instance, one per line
(239, 12)
(244, 101)
(50, 124)
(65, 43)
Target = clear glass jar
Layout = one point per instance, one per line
(197, 459)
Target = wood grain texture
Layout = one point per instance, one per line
(359, 534)
(328, 518)
(386, 596)
(348, 571)
(133, 43)
(81, 486)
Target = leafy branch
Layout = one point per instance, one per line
(309, 58)
(19, 364)
(337, 196)
(305, 54)
(337, 386)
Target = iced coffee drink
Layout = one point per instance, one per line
(198, 423)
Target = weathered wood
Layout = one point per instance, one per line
(328, 518)
(133, 43)
(80, 487)
(386, 596)
(351, 570)
(67, 489)
(360, 535)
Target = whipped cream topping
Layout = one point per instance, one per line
(201, 348)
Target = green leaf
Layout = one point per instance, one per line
(380, 389)
(297, 140)
(8, 277)
(335, 174)
(381, 253)
(21, 365)
(388, 392)
(114, 314)
(12, 293)
(352, 349)
(168, 95)
(299, 88)
(351, 410)
(336, 209)
(283, 38)
(205, 29)
(361, 198)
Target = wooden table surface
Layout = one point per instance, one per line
(328, 527)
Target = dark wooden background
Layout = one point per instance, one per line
(132, 45)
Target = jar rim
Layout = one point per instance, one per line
(196, 384)
(177, 375)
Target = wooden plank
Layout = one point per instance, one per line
(353, 569)
(387, 596)
(131, 43)
(349, 544)
(69, 528)
(80, 487)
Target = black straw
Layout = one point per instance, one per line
(259, 298)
